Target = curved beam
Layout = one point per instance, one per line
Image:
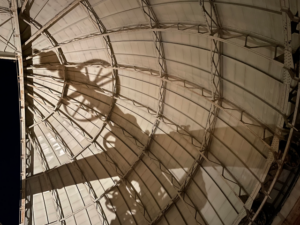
(111, 55)
(194, 29)
(216, 95)
(196, 47)
(157, 39)
(196, 1)
(214, 26)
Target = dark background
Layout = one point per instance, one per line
(9, 144)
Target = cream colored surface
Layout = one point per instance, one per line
(68, 100)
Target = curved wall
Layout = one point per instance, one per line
(145, 112)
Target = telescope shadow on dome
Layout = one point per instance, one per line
(68, 177)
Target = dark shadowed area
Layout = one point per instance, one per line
(10, 145)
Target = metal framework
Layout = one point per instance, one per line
(157, 39)
(214, 26)
(108, 159)
(110, 52)
(159, 164)
(203, 93)
(287, 17)
(62, 59)
(29, 172)
(165, 120)
(133, 101)
(87, 184)
(214, 69)
(56, 201)
(59, 53)
(110, 94)
(108, 46)
(216, 96)
(107, 92)
(66, 149)
(195, 29)
(213, 96)
(130, 136)
(52, 21)
(4, 54)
